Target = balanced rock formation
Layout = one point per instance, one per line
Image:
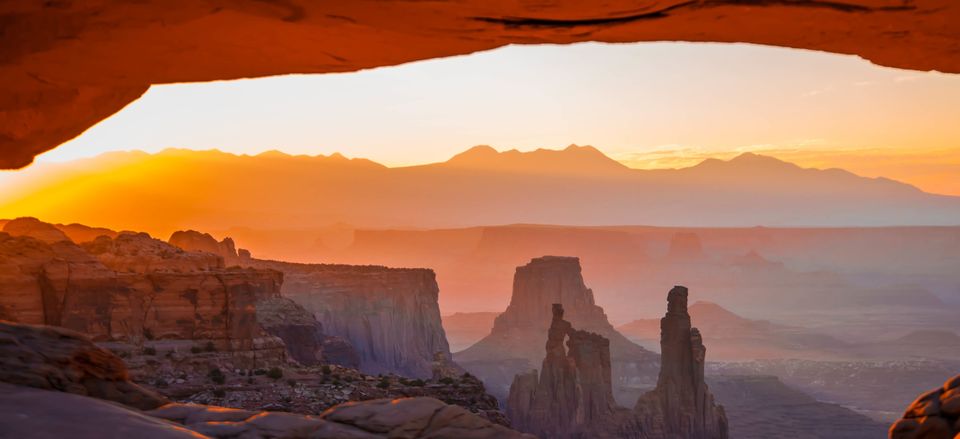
(681, 406)
(303, 334)
(391, 316)
(47, 357)
(934, 415)
(513, 345)
(574, 388)
(130, 288)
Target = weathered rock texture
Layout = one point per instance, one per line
(53, 358)
(130, 288)
(681, 406)
(390, 315)
(66, 66)
(573, 391)
(303, 334)
(934, 415)
(513, 345)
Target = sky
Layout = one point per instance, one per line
(647, 104)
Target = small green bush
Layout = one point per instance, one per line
(446, 380)
(217, 376)
(384, 383)
(326, 369)
(275, 373)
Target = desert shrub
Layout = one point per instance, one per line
(147, 334)
(446, 380)
(275, 373)
(195, 349)
(217, 376)
(418, 383)
(161, 383)
(250, 380)
(209, 347)
(149, 351)
(259, 372)
(384, 383)
(219, 393)
(291, 382)
(326, 369)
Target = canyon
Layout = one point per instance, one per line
(512, 345)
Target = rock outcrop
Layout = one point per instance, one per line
(130, 288)
(191, 240)
(681, 406)
(36, 229)
(303, 334)
(573, 391)
(934, 415)
(390, 315)
(58, 61)
(513, 345)
(51, 358)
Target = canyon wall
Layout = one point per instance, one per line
(513, 345)
(390, 315)
(129, 288)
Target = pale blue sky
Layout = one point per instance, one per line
(624, 99)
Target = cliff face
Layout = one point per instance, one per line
(130, 288)
(520, 330)
(303, 334)
(574, 388)
(390, 315)
(681, 406)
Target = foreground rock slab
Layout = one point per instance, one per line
(934, 415)
(47, 357)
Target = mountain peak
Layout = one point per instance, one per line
(572, 160)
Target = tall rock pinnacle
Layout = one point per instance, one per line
(681, 404)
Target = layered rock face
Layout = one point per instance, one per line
(681, 406)
(574, 388)
(129, 288)
(390, 315)
(520, 330)
(934, 415)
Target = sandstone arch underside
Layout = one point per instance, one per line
(65, 65)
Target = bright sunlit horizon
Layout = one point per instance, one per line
(648, 105)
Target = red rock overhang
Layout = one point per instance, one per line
(65, 65)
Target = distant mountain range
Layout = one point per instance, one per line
(578, 185)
